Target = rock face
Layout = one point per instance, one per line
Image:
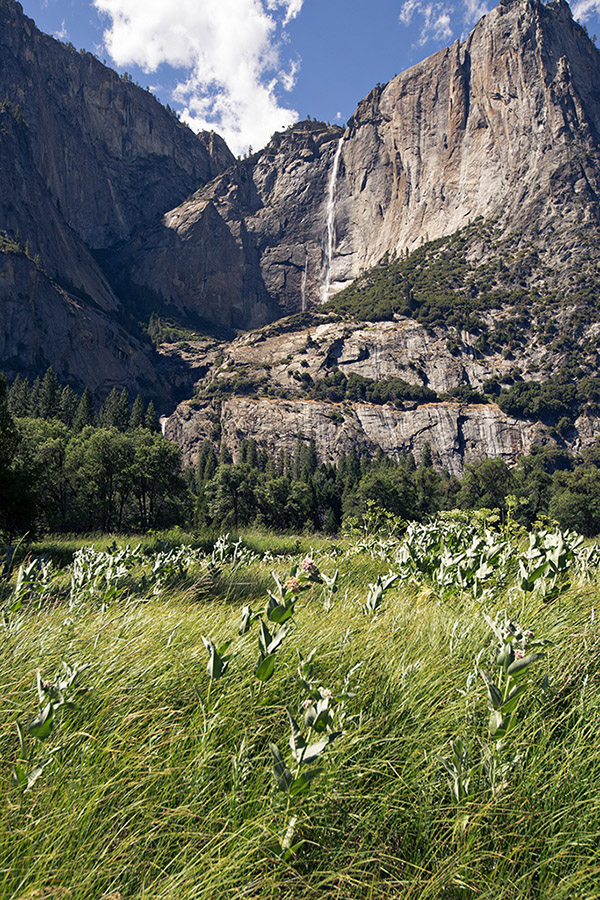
(374, 350)
(111, 157)
(280, 363)
(85, 158)
(75, 329)
(504, 125)
(456, 433)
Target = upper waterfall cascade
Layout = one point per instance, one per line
(330, 210)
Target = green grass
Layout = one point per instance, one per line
(163, 787)
(60, 548)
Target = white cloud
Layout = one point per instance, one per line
(61, 33)
(292, 7)
(288, 79)
(231, 50)
(474, 10)
(436, 21)
(585, 8)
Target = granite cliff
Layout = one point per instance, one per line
(85, 158)
(504, 125)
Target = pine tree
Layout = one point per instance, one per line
(426, 458)
(136, 420)
(297, 458)
(85, 412)
(67, 407)
(310, 461)
(331, 524)
(123, 411)
(49, 395)
(18, 397)
(207, 464)
(34, 398)
(251, 456)
(108, 413)
(16, 497)
(150, 419)
(225, 457)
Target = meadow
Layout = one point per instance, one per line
(412, 713)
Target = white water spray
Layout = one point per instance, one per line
(331, 220)
(304, 280)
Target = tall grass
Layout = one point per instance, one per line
(163, 786)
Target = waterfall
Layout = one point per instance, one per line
(330, 247)
(304, 279)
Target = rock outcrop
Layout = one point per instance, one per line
(259, 387)
(457, 434)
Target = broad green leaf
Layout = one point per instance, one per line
(19, 776)
(280, 613)
(277, 581)
(302, 783)
(313, 751)
(216, 664)
(318, 716)
(494, 694)
(41, 690)
(283, 776)
(21, 736)
(519, 666)
(277, 639)
(506, 654)
(297, 742)
(512, 701)
(265, 667)
(264, 638)
(268, 642)
(246, 620)
(41, 727)
(36, 772)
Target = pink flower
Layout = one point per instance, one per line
(309, 566)
(293, 584)
(519, 654)
(306, 704)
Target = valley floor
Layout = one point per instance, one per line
(238, 720)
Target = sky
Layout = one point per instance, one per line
(248, 68)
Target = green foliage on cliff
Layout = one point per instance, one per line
(336, 387)
(488, 285)
(558, 399)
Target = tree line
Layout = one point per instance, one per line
(65, 467)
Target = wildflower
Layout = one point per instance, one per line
(326, 694)
(519, 654)
(528, 635)
(293, 584)
(306, 704)
(309, 566)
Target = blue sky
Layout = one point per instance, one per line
(250, 67)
